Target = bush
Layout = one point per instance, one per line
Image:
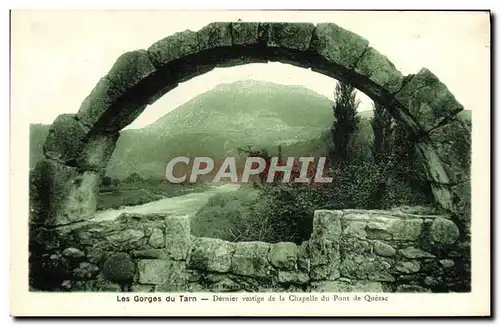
(270, 213)
(284, 212)
(226, 214)
(119, 268)
(106, 181)
(370, 186)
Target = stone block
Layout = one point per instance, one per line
(225, 285)
(283, 255)
(434, 168)
(97, 103)
(444, 231)
(97, 150)
(453, 146)
(211, 254)
(177, 236)
(294, 36)
(324, 245)
(157, 238)
(411, 288)
(326, 225)
(65, 139)
(245, 33)
(343, 286)
(380, 70)
(383, 249)
(126, 236)
(250, 259)
(130, 69)
(362, 267)
(460, 202)
(150, 254)
(108, 108)
(173, 47)
(355, 229)
(85, 271)
(407, 267)
(337, 45)
(349, 245)
(303, 257)
(428, 100)
(325, 259)
(215, 35)
(408, 230)
(447, 263)
(79, 202)
(414, 253)
(73, 254)
(165, 272)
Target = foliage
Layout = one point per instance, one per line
(258, 212)
(345, 112)
(382, 124)
(119, 268)
(226, 214)
(284, 212)
(106, 181)
(133, 177)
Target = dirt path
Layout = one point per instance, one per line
(182, 205)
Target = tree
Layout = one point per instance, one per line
(382, 124)
(106, 181)
(402, 143)
(345, 108)
(115, 182)
(133, 178)
(409, 165)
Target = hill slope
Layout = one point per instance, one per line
(216, 123)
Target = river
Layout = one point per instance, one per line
(182, 205)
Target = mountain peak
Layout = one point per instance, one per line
(263, 86)
(247, 104)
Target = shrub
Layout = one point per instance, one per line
(345, 108)
(284, 212)
(226, 214)
(106, 181)
(119, 268)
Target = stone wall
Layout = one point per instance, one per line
(349, 250)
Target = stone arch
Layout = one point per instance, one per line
(79, 145)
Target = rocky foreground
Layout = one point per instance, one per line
(402, 250)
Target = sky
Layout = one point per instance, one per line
(57, 57)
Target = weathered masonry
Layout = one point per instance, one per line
(80, 145)
(408, 250)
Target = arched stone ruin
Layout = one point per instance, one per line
(79, 145)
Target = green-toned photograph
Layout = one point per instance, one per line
(243, 155)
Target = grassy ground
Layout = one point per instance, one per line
(142, 192)
(226, 215)
(281, 212)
